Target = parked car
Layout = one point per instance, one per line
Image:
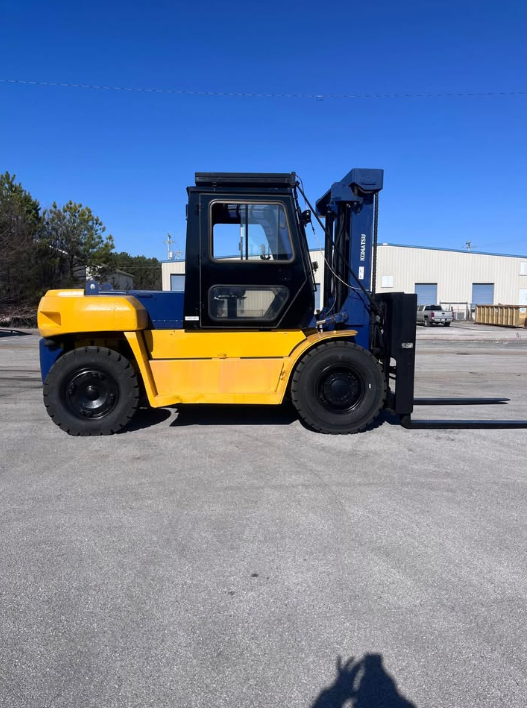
(429, 315)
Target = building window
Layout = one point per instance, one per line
(387, 281)
(523, 267)
(244, 231)
(177, 282)
(247, 302)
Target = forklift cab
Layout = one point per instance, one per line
(247, 258)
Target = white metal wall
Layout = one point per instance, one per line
(455, 272)
(167, 269)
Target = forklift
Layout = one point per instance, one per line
(245, 330)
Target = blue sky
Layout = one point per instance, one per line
(455, 168)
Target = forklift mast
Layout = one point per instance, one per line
(349, 208)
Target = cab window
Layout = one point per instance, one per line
(247, 302)
(244, 231)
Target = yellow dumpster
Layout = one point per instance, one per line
(502, 315)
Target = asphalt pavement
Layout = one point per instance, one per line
(228, 557)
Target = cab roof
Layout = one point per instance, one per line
(246, 179)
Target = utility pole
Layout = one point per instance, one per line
(168, 242)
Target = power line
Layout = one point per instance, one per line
(240, 94)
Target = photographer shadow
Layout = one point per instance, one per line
(364, 683)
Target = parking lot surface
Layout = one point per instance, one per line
(229, 557)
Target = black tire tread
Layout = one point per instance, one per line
(296, 383)
(127, 372)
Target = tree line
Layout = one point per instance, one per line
(56, 247)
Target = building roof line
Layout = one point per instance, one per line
(455, 250)
(404, 245)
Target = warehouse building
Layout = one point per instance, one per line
(459, 280)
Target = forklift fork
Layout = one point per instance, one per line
(434, 424)
(399, 345)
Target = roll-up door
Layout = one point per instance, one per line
(483, 293)
(177, 282)
(426, 293)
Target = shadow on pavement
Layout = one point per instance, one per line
(146, 418)
(230, 414)
(362, 683)
(385, 417)
(13, 333)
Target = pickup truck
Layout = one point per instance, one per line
(429, 315)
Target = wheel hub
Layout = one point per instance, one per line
(91, 393)
(339, 390)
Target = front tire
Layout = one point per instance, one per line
(338, 388)
(91, 391)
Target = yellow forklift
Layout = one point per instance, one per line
(245, 330)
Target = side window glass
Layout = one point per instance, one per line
(247, 302)
(244, 231)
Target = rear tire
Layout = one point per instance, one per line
(338, 388)
(427, 322)
(91, 391)
(447, 324)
